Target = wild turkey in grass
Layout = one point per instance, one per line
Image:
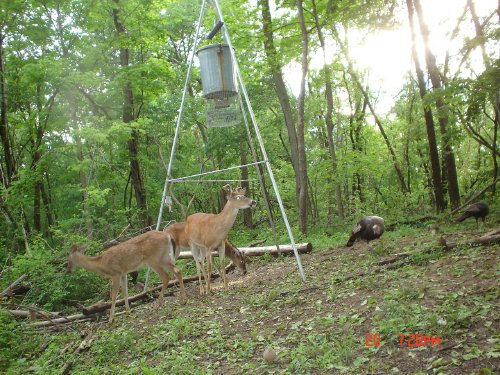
(476, 210)
(368, 228)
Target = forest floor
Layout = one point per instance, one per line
(330, 324)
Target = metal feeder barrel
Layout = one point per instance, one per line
(217, 73)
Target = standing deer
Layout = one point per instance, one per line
(208, 232)
(148, 249)
(178, 234)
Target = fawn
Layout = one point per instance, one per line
(148, 249)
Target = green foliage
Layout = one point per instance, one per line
(50, 287)
(9, 333)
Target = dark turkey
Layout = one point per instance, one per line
(476, 210)
(368, 228)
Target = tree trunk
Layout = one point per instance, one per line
(328, 116)
(279, 85)
(84, 183)
(449, 157)
(429, 121)
(4, 123)
(300, 125)
(495, 99)
(36, 156)
(127, 117)
(48, 210)
(358, 110)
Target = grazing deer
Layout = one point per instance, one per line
(148, 249)
(208, 232)
(178, 234)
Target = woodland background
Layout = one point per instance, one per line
(90, 90)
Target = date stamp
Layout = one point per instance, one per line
(410, 340)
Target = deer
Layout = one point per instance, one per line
(148, 249)
(208, 232)
(178, 234)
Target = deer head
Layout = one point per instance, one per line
(238, 198)
(238, 258)
(71, 256)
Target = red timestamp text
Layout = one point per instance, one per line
(372, 339)
(410, 340)
(418, 340)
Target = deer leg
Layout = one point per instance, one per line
(125, 291)
(199, 267)
(222, 272)
(165, 279)
(115, 285)
(178, 274)
(209, 269)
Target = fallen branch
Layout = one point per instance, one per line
(85, 344)
(399, 260)
(65, 319)
(89, 311)
(302, 248)
(100, 306)
(395, 258)
(32, 314)
(12, 286)
(474, 197)
(484, 240)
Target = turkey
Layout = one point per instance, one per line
(368, 228)
(476, 210)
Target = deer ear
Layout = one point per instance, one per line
(73, 248)
(227, 188)
(242, 191)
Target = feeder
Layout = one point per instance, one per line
(217, 73)
(218, 85)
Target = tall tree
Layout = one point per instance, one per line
(300, 123)
(4, 122)
(442, 111)
(128, 117)
(495, 97)
(329, 113)
(274, 61)
(429, 120)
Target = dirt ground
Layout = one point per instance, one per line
(322, 325)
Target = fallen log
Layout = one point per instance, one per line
(65, 319)
(484, 240)
(12, 286)
(401, 259)
(302, 248)
(32, 314)
(100, 306)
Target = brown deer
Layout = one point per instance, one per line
(208, 232)
(178, 234)
(148, 249)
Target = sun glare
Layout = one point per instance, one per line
(386, 55)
